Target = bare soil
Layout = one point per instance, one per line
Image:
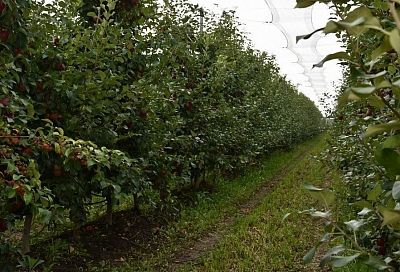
(130, 235)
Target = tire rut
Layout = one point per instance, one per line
(211, 239)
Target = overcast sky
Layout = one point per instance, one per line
(272, 25)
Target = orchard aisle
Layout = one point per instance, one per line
(251, 236)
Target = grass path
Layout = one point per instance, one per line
(240, 227)
(261, 241)
(210, 240)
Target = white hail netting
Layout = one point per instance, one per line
(272, 26)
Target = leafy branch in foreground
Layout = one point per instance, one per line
(364, 137)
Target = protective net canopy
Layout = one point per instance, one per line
(273, 25)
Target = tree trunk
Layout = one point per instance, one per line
(76, 235)
(136, 207)
(204, 175)
(109, 213)
(27, 233)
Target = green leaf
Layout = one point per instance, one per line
(28, 196)
(117, 189)
(356, 23)
(43, 216)
(363, 204)
(383, 48)
(397, 83)
(307, 36)
(347, 95)
(310, 255)
(376, 262)
(340, 261)
(305, 3)
(102, 75)
(21, 40)
(328, 255)
(311, 187)
(32, 170)
(383, 84)
(364, 90)
(394, 38)
(364, 211)
(375, 102)
(331, 27)
(325, 197)
(390, 159)
(337, 55)
(320, 214)
(375, 193)
(285, 217)
(392, 142)
(390, 217)
(378, 129)
(11, 193)
(57, 148)
(372, 76)
(360, 12)
(354, 225)
(30, 111)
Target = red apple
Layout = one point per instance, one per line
(83, 162)
(21, 87)
(3, 6)
(56, 41)
(381, 246)
(134, 2)
(55, 116)
(18, 51)
(27, 151)
(57, 170)
(143, 114)
(23, 169)
(5, 101)
(13, 140)
(89, 228)
(4, 35)
(39, 86)
(3, 225)
(46, 147)
(60, 66)
(189, 106)
(9, 115)
(129, 125)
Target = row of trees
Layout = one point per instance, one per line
(110, 98)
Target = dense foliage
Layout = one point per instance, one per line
(364, 139)
(103, 99)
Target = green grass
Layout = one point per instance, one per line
(258, 241)
(355, 268)
(261, 241)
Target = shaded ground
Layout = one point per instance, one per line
(99, 243)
